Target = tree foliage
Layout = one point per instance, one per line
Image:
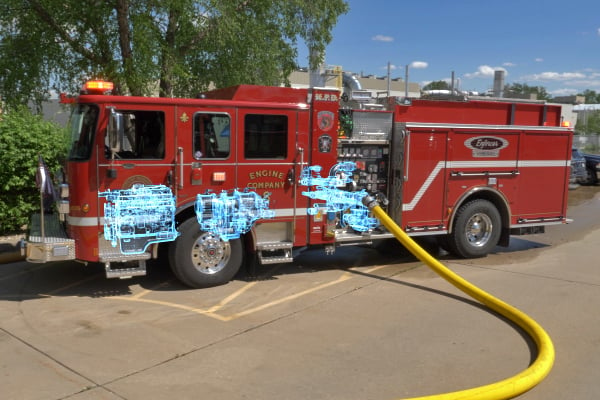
(591, 97)
(24, 136)
(519, 90)
(176, 46)
(588, 122)
(437, 85)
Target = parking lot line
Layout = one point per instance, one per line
(231, 297)
(212, 311)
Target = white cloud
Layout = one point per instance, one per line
(539, 59)
(419, 64)
(555, 76)
(485, 71)
(382, 38)
(393, 67)
(598, 31)
(509, 64)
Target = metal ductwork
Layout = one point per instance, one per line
(350, 82)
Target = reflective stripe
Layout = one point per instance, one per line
(478, 164)
(84, 221)
(95, 221)
(544, 163)
(290, 212)
(482, 164)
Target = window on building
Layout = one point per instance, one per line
(265, 136)
(212, 135)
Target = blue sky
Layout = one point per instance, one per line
(550, 43)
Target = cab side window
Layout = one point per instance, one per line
(144, 135)
(265, 136)
(212, 135)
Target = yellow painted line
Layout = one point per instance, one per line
(342, 278)
(141, 294)
(231, 297)
(368, 271)
(211, 312)
(151, 290)
(173, 305)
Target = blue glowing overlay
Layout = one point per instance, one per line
(137, 217)
(354, 213)
(230, 215)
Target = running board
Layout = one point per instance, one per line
(275, 253)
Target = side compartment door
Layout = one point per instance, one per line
(424, 178)
(267, 163)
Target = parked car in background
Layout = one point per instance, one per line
(579, 172)
(592, 166)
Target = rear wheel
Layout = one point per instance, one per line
(476, 230)
(592, 177)
(201, 259)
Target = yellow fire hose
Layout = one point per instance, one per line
(504, 389)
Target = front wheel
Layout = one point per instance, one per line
(476, 230)
(202, 259)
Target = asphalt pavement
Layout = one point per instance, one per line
(355, 325)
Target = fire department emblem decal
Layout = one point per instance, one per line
(486, 146)
(325, 120)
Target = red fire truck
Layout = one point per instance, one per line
(471, 172)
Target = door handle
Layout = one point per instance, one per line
(180, 154)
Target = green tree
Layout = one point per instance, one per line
(591, 97)
(437, 85)
(588, 122)
(177, 46)
(24, 136)
(519, 90)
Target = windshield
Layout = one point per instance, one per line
(82, 127)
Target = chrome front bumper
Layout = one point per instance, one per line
(50, 245)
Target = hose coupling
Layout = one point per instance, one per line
(370, 202)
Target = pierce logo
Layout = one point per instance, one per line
(486, 146)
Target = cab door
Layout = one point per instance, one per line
(205, 156)
(144, 154)
(268, 164)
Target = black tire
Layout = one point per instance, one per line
(476, 230)
(201, 259)
(592, 176)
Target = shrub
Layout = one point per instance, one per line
(24, 136)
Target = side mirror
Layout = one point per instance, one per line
(115, 131)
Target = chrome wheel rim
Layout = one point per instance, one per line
(479, 230)
(210, 254)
